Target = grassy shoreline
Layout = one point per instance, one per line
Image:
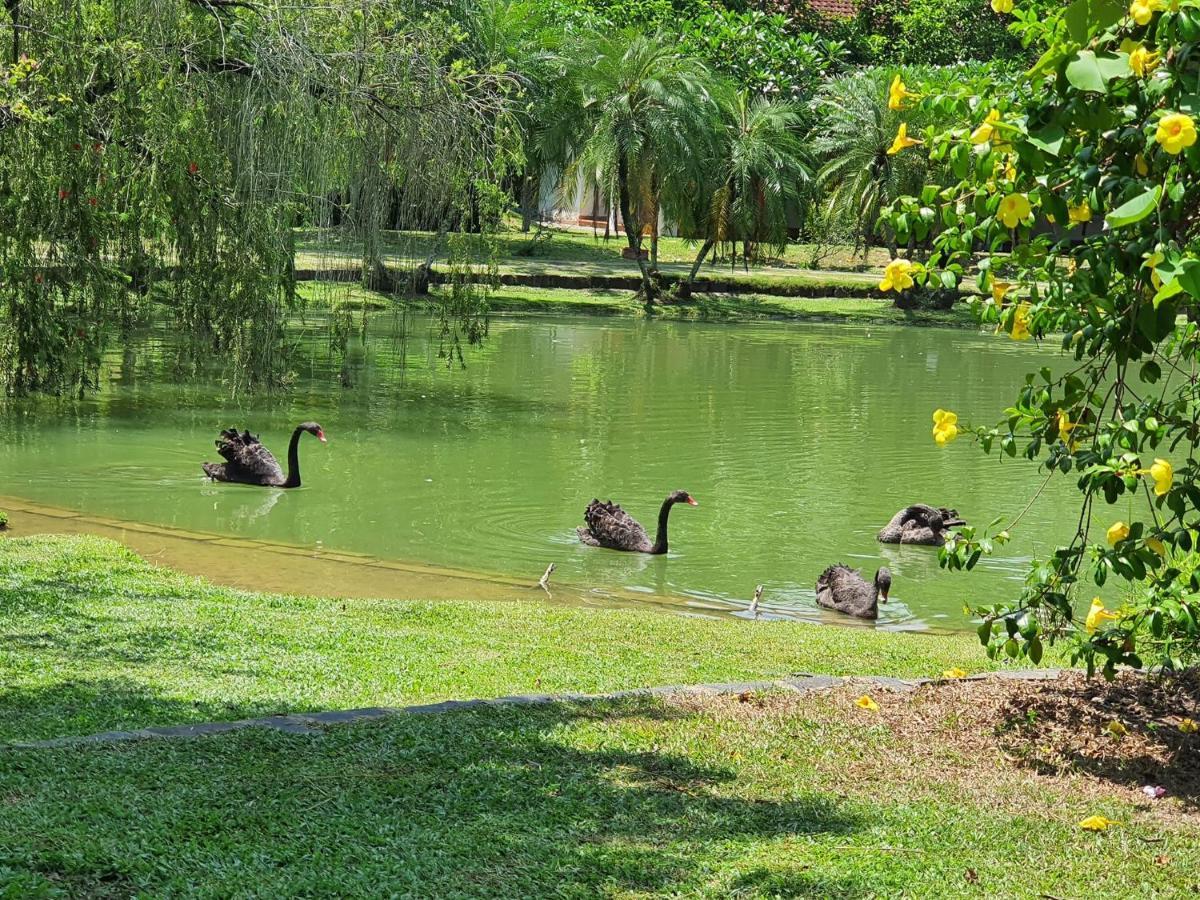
(98, 639)
(752, 795)
(721, 308)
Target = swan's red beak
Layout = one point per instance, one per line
(321, 437)
(692, 501)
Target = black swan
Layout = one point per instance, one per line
(247, 461)
(843, 589)
(610, 526)
(920, 524)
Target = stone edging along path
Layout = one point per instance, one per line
(312, 723)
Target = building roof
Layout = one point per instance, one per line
(835, 9)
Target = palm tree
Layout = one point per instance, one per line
(859, 178)
(640, 115)
(761, 165)
(515, 43)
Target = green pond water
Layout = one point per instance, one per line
(799, 441)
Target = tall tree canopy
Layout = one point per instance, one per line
(166, 148)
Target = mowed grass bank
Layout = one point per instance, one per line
(728, 308)
(754, 796)
(94, 638)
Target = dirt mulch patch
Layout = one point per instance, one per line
(1059, 730)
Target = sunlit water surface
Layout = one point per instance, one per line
(799, 441)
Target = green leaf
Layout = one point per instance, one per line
(1188, 280)
(1083, 16)
(1035, 651)
(1136, 209)
(985, 633)
(1049, 139)
(1090, 71)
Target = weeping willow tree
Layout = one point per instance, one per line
(163, 151)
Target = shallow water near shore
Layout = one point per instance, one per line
(799, 441)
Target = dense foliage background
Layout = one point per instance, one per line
(160, 154)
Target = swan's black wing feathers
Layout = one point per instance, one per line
(247, 459)
(610, 526)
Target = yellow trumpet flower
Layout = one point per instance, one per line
(999, 290)
(865, 702)
(1142, 11)
(1080, 213)
(898, 93)
(897, 276)
(1014, 209)
(945, 427)
(1098, 615)
(1176, 132)
(1020, 324)
(1096, 823)
(987, 130)
(902, 141)
(1116, 533)
(1163, 475)
(1142, 60)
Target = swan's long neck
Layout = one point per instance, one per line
(660, 537)
(293, 472)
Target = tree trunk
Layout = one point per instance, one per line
(654, 233)
(529, 201)
(709, 243)
(633, 228)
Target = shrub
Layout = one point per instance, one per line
(1101, 130)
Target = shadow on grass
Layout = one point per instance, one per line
(558, 800)
(86, 706)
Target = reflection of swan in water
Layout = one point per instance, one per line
(250, 513)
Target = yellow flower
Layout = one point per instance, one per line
(865, 702)
(1157, 546)
(1000, 7)
(898, 93)
(1151, 263)
(1142, 60)
(1116, 533)
(1065, 427)
(1116, 729)
(897, 276)
(1010, 172)
(1140, 166)
(999, 289)
(1013, 210)
(1142, 11)
(1188, 726)
(1176, 132)
(984, 132)
(1096, 823)
(956, 672)
(945, 427)
(902, 140)
(1020, 324)
(1080, 213)
(1163, 475)
(1097, 615)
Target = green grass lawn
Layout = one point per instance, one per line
(584, 246)
(583, 259)
(774, 797)
(766, 795)
(97, 639)
(706, 307)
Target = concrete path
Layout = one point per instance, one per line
(313, 723)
